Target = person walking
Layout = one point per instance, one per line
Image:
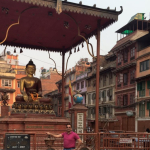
(69, 138)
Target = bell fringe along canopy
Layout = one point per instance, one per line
(42, 28)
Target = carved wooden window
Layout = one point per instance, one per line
(125, 56)
(125, 100)
(110, 78)
(119, 100)
(89, 83)
(104, 97)
(142, 110)
(78, 86)
(99, 96)
(119, 59)
(125, 78)
(132, 53)
(94, 83)
(94, 97)
(109, 94)
(132, 98)
(132, 76)
(89, 98)
(82, 84)
(120, 79)
(104, 80)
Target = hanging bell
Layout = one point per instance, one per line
(82, 45)
(15, 50)
(70, 52)
(78, 49)
(75, 50)
(21, 51)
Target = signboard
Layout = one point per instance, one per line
(79, 120)
(17, 142)
(80, 125)
(125, 140)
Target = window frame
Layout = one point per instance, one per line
(125, 100)
(82, 84)
(125, 79)
(78, 86)
(4, 83)
(145, 65)
(132, 53)
(141, 110)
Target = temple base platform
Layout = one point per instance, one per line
(38, 123)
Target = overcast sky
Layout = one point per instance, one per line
(108, 36)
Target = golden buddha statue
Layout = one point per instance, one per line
(30, 86)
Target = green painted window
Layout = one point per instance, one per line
(148, 84)
(141, 88)
(148, 105)
(142, 110)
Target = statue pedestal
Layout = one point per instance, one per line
(4, 111)
(78, 118)
(32, 123)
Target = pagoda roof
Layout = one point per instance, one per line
(42, 28)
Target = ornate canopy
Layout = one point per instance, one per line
(42, 28)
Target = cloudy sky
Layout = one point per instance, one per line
(108, 36)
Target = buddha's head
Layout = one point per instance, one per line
(30, 67)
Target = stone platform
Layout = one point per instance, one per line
(31, 122)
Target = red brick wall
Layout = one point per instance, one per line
(49, 85)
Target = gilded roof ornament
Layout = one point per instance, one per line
(59, 7)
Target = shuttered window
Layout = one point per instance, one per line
(104, 99)
(89, 98)
(148, 84)
(142, 110)
(148, 105)
(99, 96)
(142, 89)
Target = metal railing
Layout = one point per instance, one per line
(94, 141)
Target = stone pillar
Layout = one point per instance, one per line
(4, 111)
(78, 118)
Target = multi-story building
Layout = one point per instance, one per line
(107, 119)
(91, 95)
(106, 92)
(10, 75)
(142, 121)
(10, 58)
(126, 51)
(80, 68)
(81, 84)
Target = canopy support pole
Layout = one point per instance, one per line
(97, 81)
(63, 86)
(97, 78)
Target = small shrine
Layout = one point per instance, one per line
(31, 100)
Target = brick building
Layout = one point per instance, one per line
(91, 87)
(142, 121)
(48, 80)
(126, 51)
(107, 119)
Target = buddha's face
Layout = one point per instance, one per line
(30, 69)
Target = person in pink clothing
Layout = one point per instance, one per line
(69, 137)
